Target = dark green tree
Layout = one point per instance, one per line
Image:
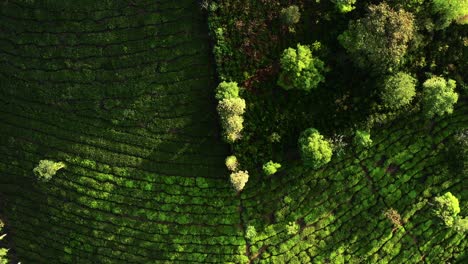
(290, 15)
(398, 90)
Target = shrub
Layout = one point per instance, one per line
(398, 91)
(239, 179)
(231, 163)
(290, 15)
(227, 90)
(315, 150)
(47, 168)
(438, 96)
(380, 39)
(447, 208)
(299, 70)
(344, 6)
(271, 168)
(362, 138)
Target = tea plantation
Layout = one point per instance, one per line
(112, 149)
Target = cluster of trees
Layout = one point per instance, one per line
(230, 108)
(46, 169)
(238, 178)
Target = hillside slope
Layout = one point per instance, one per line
(122, 94)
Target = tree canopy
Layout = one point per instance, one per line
(380, 39)
(299, 69)
(315, 150)
(398, 90)
(438, 96)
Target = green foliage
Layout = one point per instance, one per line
(270, 168)
(380, 39)
(450, 10)
(398, 90)
(447, 208)
(299, 69)
(363, 139)
(250, 232)
(438, 97)
(233, 126)
(461, 225)
(290, 15)
(315, 150)
(227, 90)
(292, 228)
(239, 179)
(3, 251)
(344, 6)
(230, 109)
(46, 169)
(231, 163)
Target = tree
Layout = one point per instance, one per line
(362, 138)
(230, 109)
(398, 90)
(239, 179)
(299, 69)
(344, 6)
(450, 10)
(270, 168)
(231, 106)
(290, 15)
(233, 126)
(227, 90)
(47, 168)
(315, 150)
(231, 163)
(447, 208)
(380, 40)
(438, 97)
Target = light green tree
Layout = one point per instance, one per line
(449, 11)
(270, 168)
(344, 6)
(447, 208)
(299, 69)
(439, 96)
(315, 150)
(227, 90)
(46, 169)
